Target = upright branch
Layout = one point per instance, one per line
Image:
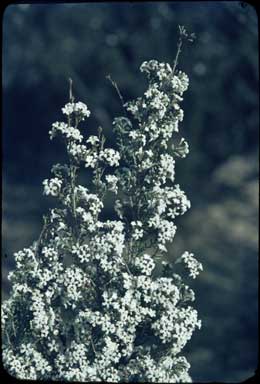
(183, 35)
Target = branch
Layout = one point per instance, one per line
(114, 84)
(71, 97)
(93, 346)
(177, 55)
(182, 35)
(38, 243)
(8, 338)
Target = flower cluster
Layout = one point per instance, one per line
(160, 104)
(52, 187)
(112, 183)
(192, 264)
(79, 108)
(167, 167)
(110, 156)
(137, 229)
(70, 133)
(145, 264)
(91, 299)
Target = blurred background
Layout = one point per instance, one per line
(44, 45)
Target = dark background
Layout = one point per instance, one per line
(45, 44)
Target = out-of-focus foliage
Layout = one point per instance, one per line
(44, 45)
(224, 233)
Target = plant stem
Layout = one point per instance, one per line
(93, 346)
(177, 54)
(114, 84)
(41, 235)
(71, 97)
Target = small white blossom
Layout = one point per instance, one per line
(68, 109)
(192, 264)
(77, 150)
(112, 183)
(90, 159)
(182, 149)
(138, 231)
(67, 131)
(52, 187)
(82, 109)
(145, 263)
(167, 167)
(78, 107)
(110, 156)
(93, 140)
(82, 252)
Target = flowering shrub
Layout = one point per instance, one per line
(93, 299)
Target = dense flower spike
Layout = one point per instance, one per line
(92, 299)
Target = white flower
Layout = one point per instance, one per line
(193, 264)
(167, 167)
(82, 252)
(131, 107)
(182, 149)
(50, 253)
(68, 109)
(137, 229)
(77, 150)
(145, 263)
(90, 159)
(112, 183)
(110, 156)
(93, 140)
(184, 81)
(74, 133)
(146, 164)
(166, 233)
(134, 134)
(78, 107)
(82, 109)
(52, 187)
(67, 131)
